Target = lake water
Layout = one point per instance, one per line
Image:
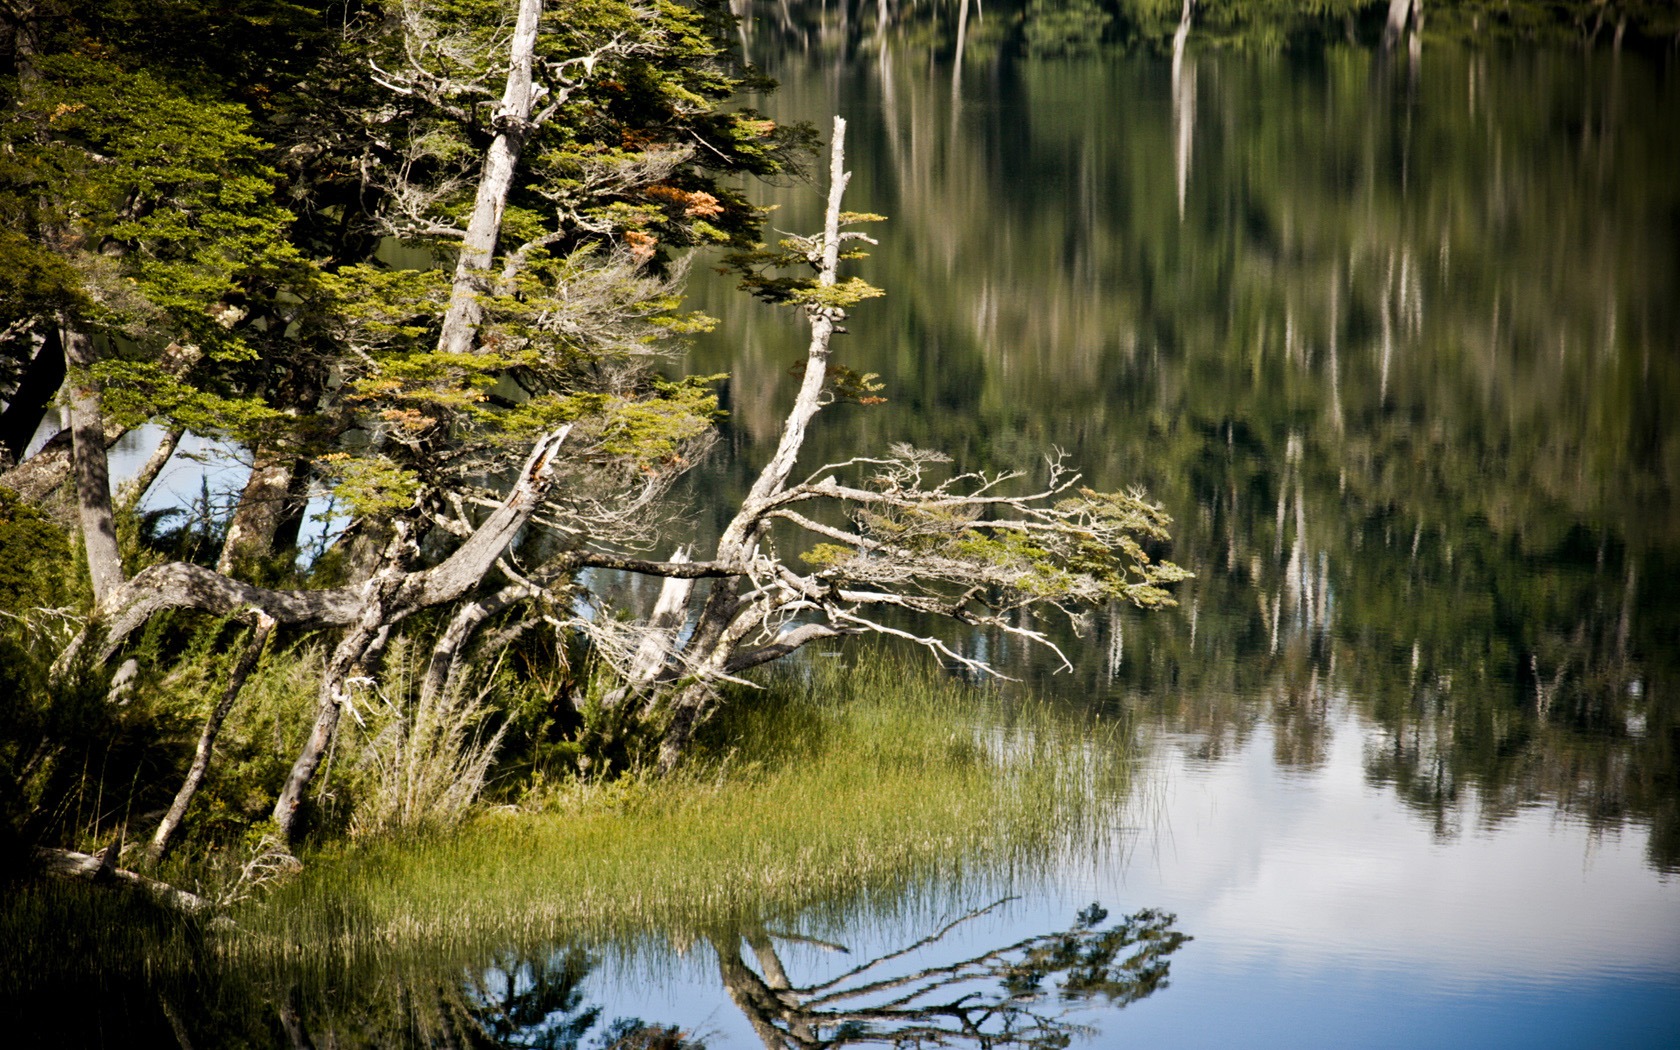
(1399, 349)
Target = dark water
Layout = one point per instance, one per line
(1399, 349)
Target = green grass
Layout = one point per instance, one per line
(869, 785)
(836, 795)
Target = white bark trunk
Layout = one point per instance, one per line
(714, 642)
(513, 127)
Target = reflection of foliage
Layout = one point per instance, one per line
(1018, 995)
(1051, 27)
(847, 28)
(1417, 463)
(537, 1005)
(513, 1002)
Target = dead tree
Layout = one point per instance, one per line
(882, 535)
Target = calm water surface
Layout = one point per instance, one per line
(1400, 351)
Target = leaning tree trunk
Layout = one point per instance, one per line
(165, 833)
(29, 402)
(716, 635)
(47, 479)
(333, 694)
(513, 127)
(392, 597)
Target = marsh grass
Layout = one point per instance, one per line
(836, 795)
(835, 788)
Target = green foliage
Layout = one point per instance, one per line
(759, 268)
(33, 550)
(370, 486)
(1053, 27)
(158, 200)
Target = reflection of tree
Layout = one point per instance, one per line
(512, 1002)
(1022, 995)
(1017, 995)
(1410, 401)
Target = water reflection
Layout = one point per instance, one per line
(941, 990)
(1018, 995)
(1398, 354)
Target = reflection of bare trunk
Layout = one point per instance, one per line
(1335, 364)
(1387, 332)
(776, 978)
(1182, 35)
(918, 1008)
(957, 63)
(742, 10)
(748, 992)
(1184, 121)
(1624, 624)
(92, 470)
(1399, 11)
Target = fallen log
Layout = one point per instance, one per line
(100, 868)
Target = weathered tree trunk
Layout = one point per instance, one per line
(446, 654)
(47, 478)
(513, 127)
(98, 867)
(716, 636)
(132, 491)
(163, 837)
(393, 596)
(264, 505)
(92, 470)
(331, 697)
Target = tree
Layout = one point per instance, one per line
(507, 396)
